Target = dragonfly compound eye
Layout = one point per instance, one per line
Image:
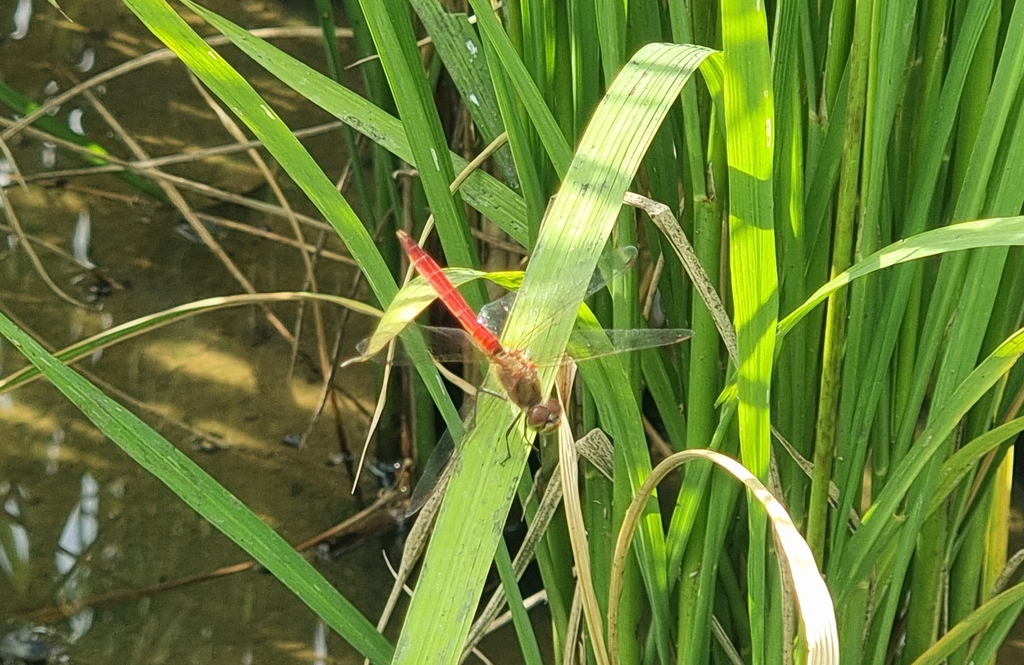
(545, 416)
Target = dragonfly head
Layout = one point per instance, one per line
(545, 416)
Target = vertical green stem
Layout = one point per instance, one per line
(835, 318)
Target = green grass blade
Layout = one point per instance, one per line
(325, 10)
(792, 411)
(151, 322)
(481, 190)
(244, 102)
(460, 49)
(524, 629)
(749, 118)
(544, 122)
(399, 53)
(998, 232)
(864, 544)
(570, 242)
(533, 169)
(963, 460)
(196, 488)
(1008, 601)
(975, 279)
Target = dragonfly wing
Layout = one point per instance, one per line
(413, 298)
(493, 314)
(452, 345)
(613, 263)
(446, 345)
(588, 344)
(409, 303)
(435, 474)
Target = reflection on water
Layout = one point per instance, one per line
(81, 239)
(80, 521)
(320, 644)
(87, 61)
(48, 155)
(75, 119)
(36, 644)
(81, 528)
(95, 554)
(22, 17)
(14, 540)
(80, 531)
(53, 451)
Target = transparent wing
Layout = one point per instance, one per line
(493, 315)
(412, 299)
(447, 345)
(588, 344)
(435, 474)
(454, 345)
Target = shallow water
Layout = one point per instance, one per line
(79, 518)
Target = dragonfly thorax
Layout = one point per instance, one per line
(518, 375)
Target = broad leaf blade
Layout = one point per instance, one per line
(196, 488)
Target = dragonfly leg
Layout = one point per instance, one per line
(508, 451)
(488, 391)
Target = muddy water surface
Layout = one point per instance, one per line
(79, 518)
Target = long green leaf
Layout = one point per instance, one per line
(481, 190)
(864, 545)
(569, 245)
(149, 323)
(244, 102)
(998, 232)
(196, 488)
(749, 117)
(399, 54)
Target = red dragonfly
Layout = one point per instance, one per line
(516, 373)
(514, 369)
